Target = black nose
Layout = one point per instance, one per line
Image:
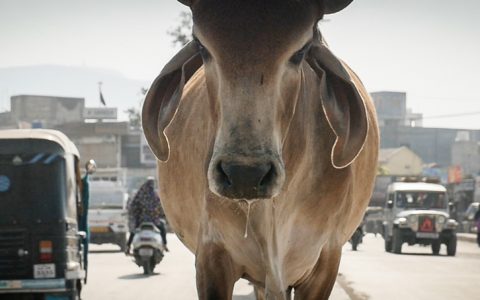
(245, 181)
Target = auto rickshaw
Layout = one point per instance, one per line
(41, 246)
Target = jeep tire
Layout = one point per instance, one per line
(397, 241)
(452, 246)
(435, 247)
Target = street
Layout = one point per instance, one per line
(369, 273)
(415, 274)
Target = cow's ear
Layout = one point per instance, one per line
(343, 105)
(163, 97)
(333, 6)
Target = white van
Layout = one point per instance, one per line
(107, 214)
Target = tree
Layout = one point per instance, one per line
(182, 34)
(134, 118)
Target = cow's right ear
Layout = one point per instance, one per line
(163, 97)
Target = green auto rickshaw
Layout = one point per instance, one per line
(41, 244)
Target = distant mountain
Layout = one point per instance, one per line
(54, 80)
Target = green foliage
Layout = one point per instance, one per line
(182, 34)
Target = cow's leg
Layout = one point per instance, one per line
(216, 273)
(259, 293)
(319, 284)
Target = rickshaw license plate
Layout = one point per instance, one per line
(427, 235)
(145, 252)
(44, 271)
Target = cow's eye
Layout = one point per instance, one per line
(201, 48)
(297, 58)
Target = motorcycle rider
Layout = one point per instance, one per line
(146, 207)
(477, 223)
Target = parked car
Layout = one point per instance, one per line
(468, 222)
(107, 217)
(418, 213)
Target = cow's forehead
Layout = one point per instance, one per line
(251, 23)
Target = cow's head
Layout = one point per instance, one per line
(253, 53)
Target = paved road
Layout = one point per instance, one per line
(114, 276)
(369, 273)
(376, 275)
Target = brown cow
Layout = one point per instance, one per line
(267, 147)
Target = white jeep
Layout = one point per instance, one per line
(418, 213)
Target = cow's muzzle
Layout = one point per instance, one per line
(240, 180)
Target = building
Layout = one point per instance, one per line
(392, 110)
(466, 153)
(400, 161)
(400, 127)
(120, 151)
(46, 111)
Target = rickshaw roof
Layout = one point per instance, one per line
(417, 187)
(42, 134)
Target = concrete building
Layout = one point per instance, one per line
(433, 145)
(400, 161)
(137, 159)
(466, 153)
(392, 109)
(399, 126)
(46, 111)
(100, 141)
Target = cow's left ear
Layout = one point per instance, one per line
(163, 97)
(343, 105)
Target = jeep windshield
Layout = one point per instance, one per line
(421, 200)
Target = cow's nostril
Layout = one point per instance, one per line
(245, 181)
(269, 176)
(222, 175)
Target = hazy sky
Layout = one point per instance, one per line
(428, 48)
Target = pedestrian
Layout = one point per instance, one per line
(477, 223)
(90, 168)
(145, 206)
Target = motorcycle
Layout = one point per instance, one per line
(357, 238)
(147, 247)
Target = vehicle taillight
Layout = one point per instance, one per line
(46, 251)
(145, 239)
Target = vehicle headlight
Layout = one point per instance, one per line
(412, 219)
(402, 222)
(451, 223)
(441, 219)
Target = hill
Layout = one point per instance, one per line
(71, 81)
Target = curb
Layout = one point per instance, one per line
(467, 237)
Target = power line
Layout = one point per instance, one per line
(453, 115)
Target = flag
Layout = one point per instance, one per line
(102, 100)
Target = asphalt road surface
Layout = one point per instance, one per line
(415, 274)
(369, 273)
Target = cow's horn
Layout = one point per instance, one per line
(186, 2)
(332, 6)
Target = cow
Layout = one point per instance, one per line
(267, 147)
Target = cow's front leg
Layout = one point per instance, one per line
(216, 272)
(319, 284)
